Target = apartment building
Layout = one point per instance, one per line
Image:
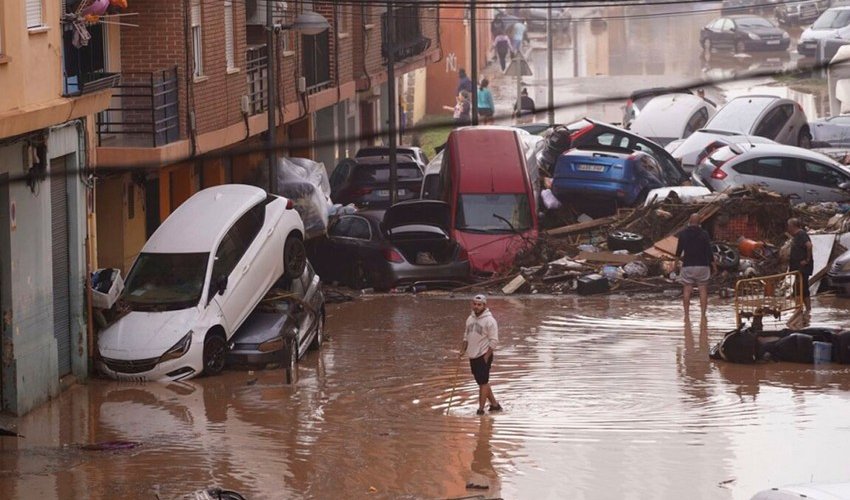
(50, 94)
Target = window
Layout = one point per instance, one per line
(197, 48)
(237, 240)
(228, 34)
(774, 121)
(773, 168)
(34, 14)
(496, 213)
(352, 226)
(696, 122)
(822, 175)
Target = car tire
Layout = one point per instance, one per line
(740, 47)
(316, 344)
(215, 349)
(725, 256)
(294, 257)
(625, 240)
(804, 139)
(291, 359)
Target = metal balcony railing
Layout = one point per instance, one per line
(144, 111)
(257, 63)
(84, 67)
(406, 33)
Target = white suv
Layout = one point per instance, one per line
(197, 279)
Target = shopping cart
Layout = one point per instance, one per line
(768, 296)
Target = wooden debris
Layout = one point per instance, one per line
(606, 257)
(514, 284)
(581, 226)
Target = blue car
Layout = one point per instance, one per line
(600, 181)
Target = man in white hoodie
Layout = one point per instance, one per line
(479, 340)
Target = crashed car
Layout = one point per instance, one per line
(600, 181)
(839, 273)
(365, 181)
(409, 245)
(197, 279)
(669, 117)
(281, 330)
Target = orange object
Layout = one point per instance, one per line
(750, 248)
(119, 3)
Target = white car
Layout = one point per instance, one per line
(834, 23)
(196, 280)
(770, 117)
(668, 117)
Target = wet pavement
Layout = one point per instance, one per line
(608, 397)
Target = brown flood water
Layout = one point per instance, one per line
(604, 398)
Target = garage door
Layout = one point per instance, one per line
(61, 271)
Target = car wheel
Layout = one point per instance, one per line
(624, 240)
(291, 359)
(726, 256)
(316, 344)
(294, 257)
(804, 139)
(740, 47)
(215, 347)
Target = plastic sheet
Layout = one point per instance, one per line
(305, 182)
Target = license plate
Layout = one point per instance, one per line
(584, 167)
(383, 192)
(773, 42)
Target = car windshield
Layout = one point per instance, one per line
(739, 115)
(833, 19)
(753, 22)
(493, 212)
(165, 281)
(373, 174)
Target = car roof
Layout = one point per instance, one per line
(747, 114)
(484, 150)
(384, 160)
(379, 150)
(199, 222)
(760, 149)
(667, 115)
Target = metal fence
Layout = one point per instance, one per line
(257, 63)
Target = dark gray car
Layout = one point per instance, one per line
(288, 322)
(839, 273)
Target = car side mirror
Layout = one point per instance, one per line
(221, 284)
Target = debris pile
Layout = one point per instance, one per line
(634, 250)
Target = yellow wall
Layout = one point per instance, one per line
(110, 227)
(32, 72)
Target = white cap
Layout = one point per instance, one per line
(480, 298)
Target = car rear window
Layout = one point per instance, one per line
(493, 212)
(740, 114)
(369, 174)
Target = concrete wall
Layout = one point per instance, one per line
(29, 350)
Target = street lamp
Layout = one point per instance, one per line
(306, 23)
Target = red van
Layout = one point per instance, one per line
(486, 183)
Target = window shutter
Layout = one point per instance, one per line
(228, 34)
(34, 13)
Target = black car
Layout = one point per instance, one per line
(288, 322)
(408, 245)
(365, 182)
(743, 33)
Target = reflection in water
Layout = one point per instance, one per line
(605, 397)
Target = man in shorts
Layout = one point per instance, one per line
(479, 340)
(694, 250)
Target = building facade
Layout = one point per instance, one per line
(47, 106)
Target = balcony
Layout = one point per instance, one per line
(83, 67)
(257, 63)
(144, 111)
(406, 34)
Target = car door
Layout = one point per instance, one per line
(350, 237)
(822, 181)
(779, 174)
(234, 259)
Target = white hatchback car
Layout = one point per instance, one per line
(196, 280)
(668, 117)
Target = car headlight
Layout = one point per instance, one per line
(275, 344)
(753, 36)
(178, 349)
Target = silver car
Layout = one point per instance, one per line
(839, 273)
(802, 175)
(833, 23)
(775, 118)
(831, 132)
(668, 117)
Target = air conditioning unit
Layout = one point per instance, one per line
(255, 12)
(301, 85)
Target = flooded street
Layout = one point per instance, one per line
(608, 397)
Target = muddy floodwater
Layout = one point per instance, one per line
(604, 398)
